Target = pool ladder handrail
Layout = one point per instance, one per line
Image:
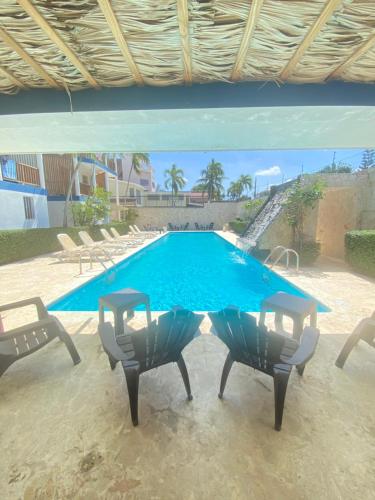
(284, 251)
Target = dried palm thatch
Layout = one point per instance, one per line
(75, 44)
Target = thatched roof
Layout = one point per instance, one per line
(75, 44)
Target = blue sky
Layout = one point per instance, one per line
(235, 163)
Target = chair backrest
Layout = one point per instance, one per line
(196, 225)
(137, 229)
(66, 242)
(86, 238)
(164, 342)
(115, 233)
(248, 342)
(133, 231)
(106, 235)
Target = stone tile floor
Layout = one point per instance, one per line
(66, 433)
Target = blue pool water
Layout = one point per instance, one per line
(199, 271)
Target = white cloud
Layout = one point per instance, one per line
(275, 170)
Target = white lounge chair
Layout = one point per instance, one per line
(102, 246)
(150, 234)
(112, 241)
(131, 240)
(136, 234)
(73, 253)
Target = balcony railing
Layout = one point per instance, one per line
(162, 201)
(28, 174)
(23, 174)
(85, 188)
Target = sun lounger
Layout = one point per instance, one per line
(18, 343)
(112, 241)
(136, 234)
(151, 234)
(74, 253)
(108, 249)
(365, 330)
(160, 343)
(130, 240)
(271, 353)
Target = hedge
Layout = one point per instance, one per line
(19, 244)
(360, 251)
(238, 226)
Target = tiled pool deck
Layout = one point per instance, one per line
(66, 432)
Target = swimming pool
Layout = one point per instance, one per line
(199, 271)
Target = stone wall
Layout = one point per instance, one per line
(348, 203)
(219, 213)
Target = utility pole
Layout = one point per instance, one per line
(333, 160)
(255, 187)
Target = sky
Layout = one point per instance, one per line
(270, 167)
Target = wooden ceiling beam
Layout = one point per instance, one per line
(183, 25)
(119, 36)
(12, 78)
(6, 38)
(252, 19)
(57, 40)
(359, 52)
(313, 32)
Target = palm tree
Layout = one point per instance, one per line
(246, 182)
(174, 180)
(212, 179)
(235, 190)
(138, 159)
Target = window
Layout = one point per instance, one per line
(144, 182)
(85, 180)
(131, 192)
(28, 205)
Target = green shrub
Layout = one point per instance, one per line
(18, 244)
(238, 225)
(360, 251)
(309, 252)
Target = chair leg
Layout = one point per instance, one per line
(65, 337)
(185, 376)
(224, 376)
(132, 381)
(300, 369)
(112, 361)
(351, 342)
(280, 384)
(5, 362)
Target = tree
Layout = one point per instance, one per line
(337, 168)
(138, 159)
(174, 180)
(94, 209)
(235, 190)
(212, 180)
(301, 197)
(70, 188)
(246, 182)
(368, 159)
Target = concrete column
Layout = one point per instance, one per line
(40, 164)
(93, 178)
(1, 173)
(76, 179)
(106, 181)
(117, 191)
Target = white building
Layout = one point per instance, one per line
(33, 188)
(23, 194)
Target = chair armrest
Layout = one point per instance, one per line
(37, 301)
(108, 338)
(29, 327)
(306, 349)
